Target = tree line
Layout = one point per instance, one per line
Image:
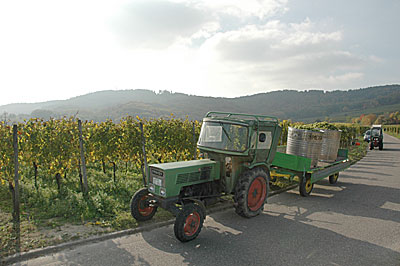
(389, 118)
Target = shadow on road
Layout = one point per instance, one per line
(271, 237)
(351, 200)
(371, 164)
(367, 172)
(112, 255)
(271, 240)
(391, 149)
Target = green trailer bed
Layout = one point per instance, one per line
(298, 168)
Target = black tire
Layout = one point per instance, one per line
(333, 178)
(251, 192)
(305, 187)
(380, 145)
(188, 222)
(140, 208)
(371, 146)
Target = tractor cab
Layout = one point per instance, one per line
(238, 142)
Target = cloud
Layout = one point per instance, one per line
(242, 45)
(260, 9)
(156, 24)
(271, 41)
(346, 77)
(278, 55)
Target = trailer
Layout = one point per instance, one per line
(298, 169)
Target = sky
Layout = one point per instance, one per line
(53, 49)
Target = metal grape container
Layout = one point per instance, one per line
(330, 145)
(306, 143)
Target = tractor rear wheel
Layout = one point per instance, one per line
(140, 208)
(381, 145)
(251, 192)
(189, 222)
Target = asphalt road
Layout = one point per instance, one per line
(355, 222)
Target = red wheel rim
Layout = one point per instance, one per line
(192, 224)
(143, 209)
(256, 194)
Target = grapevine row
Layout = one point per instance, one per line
(392, 129)
(53, 145)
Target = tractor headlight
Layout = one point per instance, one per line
(163, 192)
(152, 188)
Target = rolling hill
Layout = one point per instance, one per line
(287, 104)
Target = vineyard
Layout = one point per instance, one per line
(393, 130)
(52, 147)
(51, 181)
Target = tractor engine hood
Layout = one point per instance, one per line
(167, 179)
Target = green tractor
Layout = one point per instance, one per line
(376, 139)
(237, 152)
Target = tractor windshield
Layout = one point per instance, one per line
(376, 132)
(223, 136)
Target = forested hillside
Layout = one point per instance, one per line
(287, 104)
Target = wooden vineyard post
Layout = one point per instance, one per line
(144, 171)
(194, 141)
(83, 161)
(16, 188)
(16, 177)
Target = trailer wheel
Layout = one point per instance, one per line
(140, 208)
(305, 187)
(189, 222)
(333, 178)
(251, 192)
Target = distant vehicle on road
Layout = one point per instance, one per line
(367, 135)
(376, 139)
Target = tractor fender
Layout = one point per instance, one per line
(261, 165)
(201, 205)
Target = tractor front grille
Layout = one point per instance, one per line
(203, 174)
(182, 178)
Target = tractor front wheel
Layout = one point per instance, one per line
(189, 222)
(140, 208)
(251, 192)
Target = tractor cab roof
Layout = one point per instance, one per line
(244, 119)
